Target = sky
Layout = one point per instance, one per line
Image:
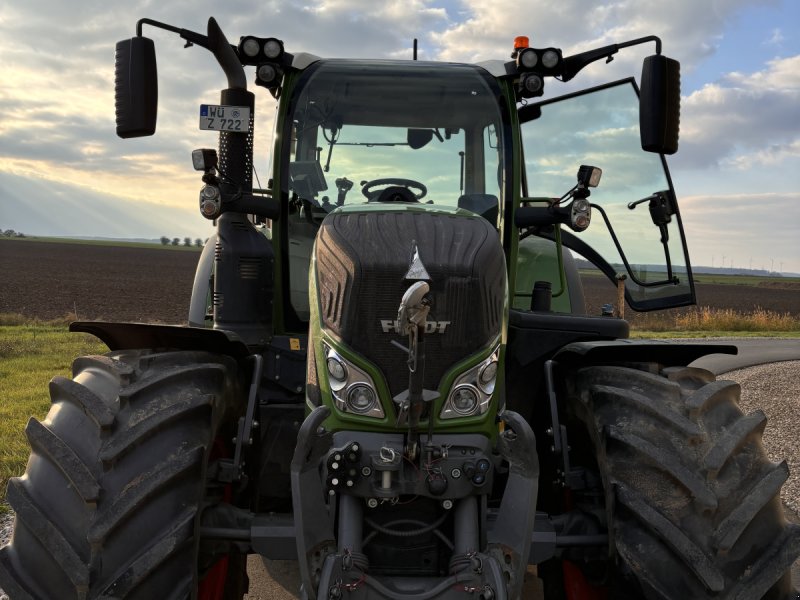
(63, 171)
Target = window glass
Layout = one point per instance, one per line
(601, 129)
(357, 128)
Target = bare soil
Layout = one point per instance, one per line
(91, 282)
(151, 284)
(779, 298)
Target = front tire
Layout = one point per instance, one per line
(692, 501)
(110, 501)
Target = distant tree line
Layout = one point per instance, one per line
(12, 233)
(187, 241)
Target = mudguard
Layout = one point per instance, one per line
(313, 527)
(510, 536)
(123, 336)
(667, 353)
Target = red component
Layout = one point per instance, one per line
(521, 41)
(213, 585)
(576, 586)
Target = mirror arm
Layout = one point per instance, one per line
(573, 64)
(215, 42)
(191, 37)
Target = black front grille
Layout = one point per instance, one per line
(362, 260)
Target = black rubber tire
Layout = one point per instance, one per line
(692, 499)
(109, 504)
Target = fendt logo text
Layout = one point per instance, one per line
(389, 326)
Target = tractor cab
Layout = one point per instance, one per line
(390, 135)
(426, 136)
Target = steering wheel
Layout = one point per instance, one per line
(368, 187)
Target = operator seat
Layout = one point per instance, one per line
(485, 205)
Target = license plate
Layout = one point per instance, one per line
(214, 117)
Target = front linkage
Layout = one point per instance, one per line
(352, 473)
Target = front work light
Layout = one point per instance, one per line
(589, 176)
(267, 73)
(204, 159)
(273, 48)
(527, 58)
(254, 50)
(531, 85)
(251, 47)
(550, 58)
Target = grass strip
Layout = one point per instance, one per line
(30, 355)
(721, 321)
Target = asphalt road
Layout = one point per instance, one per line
(752, 351)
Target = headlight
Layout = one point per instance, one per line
(361, 398)
(464, 399)
(472, 391)
(487, 376)
(337, 371)
(352, 389)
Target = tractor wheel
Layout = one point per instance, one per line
(692, 500)
(110, 502)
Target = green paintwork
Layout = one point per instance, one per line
(528, 261)
(340, 420)
(538, 260)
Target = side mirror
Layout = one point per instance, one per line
(136, 87)
(660, 104)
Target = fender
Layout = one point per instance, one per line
(201, 289)
(612, 351)
(126, 336)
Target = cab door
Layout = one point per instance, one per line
(636, 226)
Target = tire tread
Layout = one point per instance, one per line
(694, 516)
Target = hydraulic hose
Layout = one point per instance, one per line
(431, 593)
(409, 533)
(435, 532)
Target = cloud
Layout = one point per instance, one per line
(38, 206)
(743, 226)
(743, 118)
(57, 99)
(775, 39)
(690, 30)
(57, 132)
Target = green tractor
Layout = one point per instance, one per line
(389, 374)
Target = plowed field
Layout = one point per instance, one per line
(54, 280)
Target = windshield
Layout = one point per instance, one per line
(433, 131)
(430, 129)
